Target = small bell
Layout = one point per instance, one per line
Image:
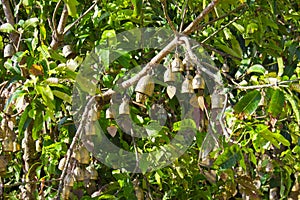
(67, 52)
(9, 51)
(66, 192)
(169, 76)
(176, 64)
(17, 146)
(76, 155)
(93, 172)
(187, 85)
(144, 88)
(188, 65)
(2, 167)
(84, 155)
(62, 163)
(198, 82)
(8, 145)
(109, 114)
(90, 128)
(79, 174)
(124, 107)
(69, 180)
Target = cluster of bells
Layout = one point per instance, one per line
(145, 86)
(80, 173)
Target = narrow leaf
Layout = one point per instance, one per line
(249, 103)
(294, 105)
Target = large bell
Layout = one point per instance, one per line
(169, 76)
(176, 64)
(93, 172)
(187, 85)
(84, 155)
(144, 88)
(69, 180)
(9, 51)
(124, 107)
(68, 52)
(198, 82)
(188, 65)
(79, 174)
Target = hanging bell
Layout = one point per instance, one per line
(2, 167)
(68, 52)
(124, 107)
(17, 146)
(8, 145)
(84, 155)
(93, 172)
(198, 82)
(169, 76)
(188, 65)
(76, 155)
(66, 192)
(187, 86)
(69, 180)
(62, 163)
(90, 128)
(109, 114)
(176, 64)
(144, 88)
(9, 51)
(79, 174)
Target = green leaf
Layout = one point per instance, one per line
(277, 102)
(280, 138)
(294, 105)
(64, 96)
(71, 6)
(30, 22)
(6, 28)
(257, 69)
(280, 66)
(229, 157)
(249, 103)
(137, 4)
(264, 131)
(47, 95)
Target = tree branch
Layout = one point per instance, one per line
(57, 36)
(7, 11)
(157, 59)
(79, 18)
(164, 6)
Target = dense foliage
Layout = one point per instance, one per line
(255, 46)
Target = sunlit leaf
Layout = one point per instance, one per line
(249, 103)
(6, 28)
(276, 103)
(257, 69)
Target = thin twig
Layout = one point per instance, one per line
(222, 28)
(164, 6)
(183, 15)
(192, 25)
(53, 18)
(200, 27)
(30, 182)
(79, 18)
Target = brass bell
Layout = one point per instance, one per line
(76, 155)
(109, 114)
(17, 146)
(93, 172)
(188, 65)
(124, 107)
(8, 145)
(84, 155)
(69, 180)
(9, 51)
(176, 64)
(66, 192)
(79, 174)
(144, 88)
(169, 76)
(62, 163)
(187, 86)
(68, 52)
(198, 82)
(2, 167)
